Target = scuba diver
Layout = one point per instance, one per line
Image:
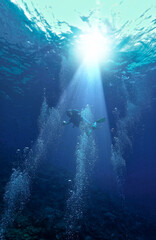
(76, 118)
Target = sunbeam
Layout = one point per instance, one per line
(85, 92)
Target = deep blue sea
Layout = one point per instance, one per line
(77, 138)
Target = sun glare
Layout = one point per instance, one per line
(93, 47)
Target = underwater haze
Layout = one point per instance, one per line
(77, 120)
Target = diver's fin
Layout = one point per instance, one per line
(90, 131)
(101, 120)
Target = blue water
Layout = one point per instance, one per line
(64, 182)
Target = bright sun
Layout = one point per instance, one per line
(93, 47)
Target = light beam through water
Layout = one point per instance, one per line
(85, 89)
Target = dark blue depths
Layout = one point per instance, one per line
(29, 64)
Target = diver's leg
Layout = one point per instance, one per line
(86, 120)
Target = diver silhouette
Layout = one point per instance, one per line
(76, 118)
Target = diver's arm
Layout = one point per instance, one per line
(66, 123)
